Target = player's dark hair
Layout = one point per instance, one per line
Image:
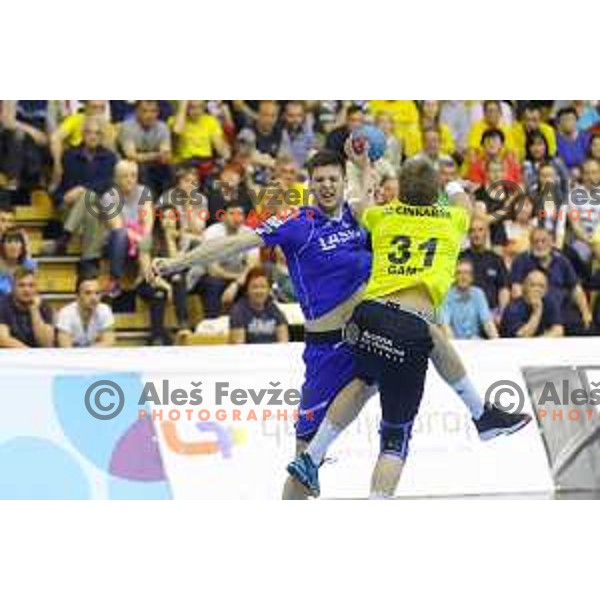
(419, 183)
(325, 158)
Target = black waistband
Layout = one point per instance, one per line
(324, 337)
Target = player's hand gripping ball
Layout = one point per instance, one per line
(371, 135)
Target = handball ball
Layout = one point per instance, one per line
(375, 138)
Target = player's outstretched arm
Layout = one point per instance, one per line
(204, 254)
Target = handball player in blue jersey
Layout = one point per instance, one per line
(329, 260)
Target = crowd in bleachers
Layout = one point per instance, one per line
(531, 264)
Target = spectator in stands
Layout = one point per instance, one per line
(199, 136)
(389, 189)
(492, 121)
(455, 114)
(592, 284)
(493, 149)
(7, 218)
(518, 227)
(590, 118)
(562, 282)
(127, 235)
(447, 172)
(584, 215)
(404, 113)
(429, 120)
(550, 200)
(538, 155)
(336, 138)
(572, 145)
(594, 147)
(489, 272)
(87, 173)
(25, 319)
(255, 318)
(267, 132)
(465, 313)
(146, 140)
(298, 136)
(192, 208)
(173, 289)
(497, 200)
(86, 322)
(531, 122)
(393, 146)
(229, 188)
(431, 148)
(225, 277)
(69, 134)
(87, 167)
(25, 126)
(535, 313)
(14, 253)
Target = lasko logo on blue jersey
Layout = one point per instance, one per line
(333, 240)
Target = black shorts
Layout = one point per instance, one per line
(391, 347)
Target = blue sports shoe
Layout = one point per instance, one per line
(304, 470)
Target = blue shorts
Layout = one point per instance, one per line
(329, 368)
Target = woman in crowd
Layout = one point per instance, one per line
(518, 228)
(168, 234)
(594, 147)
(255, 318)
(13, 253)
(537, 155)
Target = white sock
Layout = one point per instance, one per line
(469, 395)
(325, 436)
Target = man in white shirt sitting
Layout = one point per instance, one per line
(87, 321)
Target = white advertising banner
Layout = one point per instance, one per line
(217, 423)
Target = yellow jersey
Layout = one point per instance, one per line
(414, 245)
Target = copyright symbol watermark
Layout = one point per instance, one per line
(106, 207)
(503, 388)
(502, 192)
(100, 407)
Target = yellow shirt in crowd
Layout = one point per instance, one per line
(72, 130)
(404, 114)
(196, 139)
(413, 141)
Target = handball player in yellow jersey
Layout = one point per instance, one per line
(415, 246)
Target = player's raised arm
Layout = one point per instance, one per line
(362, 187)
(206, 253)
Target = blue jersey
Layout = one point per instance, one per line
(328, 259)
